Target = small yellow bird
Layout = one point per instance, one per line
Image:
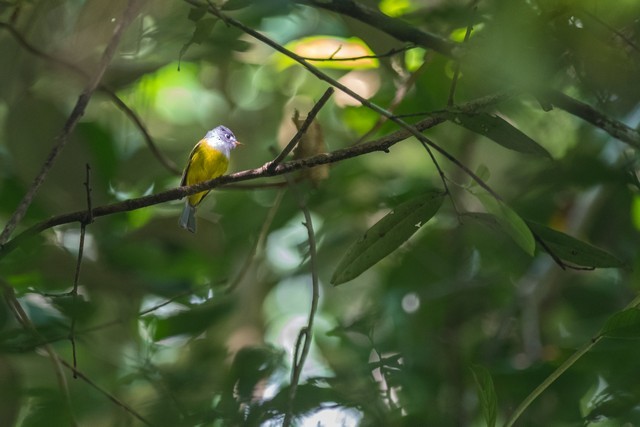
(209, 159)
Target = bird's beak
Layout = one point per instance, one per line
(237, 143)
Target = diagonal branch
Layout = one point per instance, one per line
(383, 144)
(303, 129)
(127, 16)
(324, 77)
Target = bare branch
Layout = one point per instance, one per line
(332, 58)
(382, 144)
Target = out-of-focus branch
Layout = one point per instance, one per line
(130, 12)
(118, 102)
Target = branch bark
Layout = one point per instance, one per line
(382, 144)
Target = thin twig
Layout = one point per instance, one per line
(106, 324)
(108, 395)
(382, 144)
(560, 370)
(624, 38)
(127, 16)
(443, 177)
(76, 278)
(306, 333)
(303, 129)
(391, 26)
(332, 58)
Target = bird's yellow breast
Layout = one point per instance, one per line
(205, 163)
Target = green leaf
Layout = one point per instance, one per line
(487, 394)
(623, 324)
(573, 250)
(500, 131)
(510, 222)
(387, 235)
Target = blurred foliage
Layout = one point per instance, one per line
(458, 315)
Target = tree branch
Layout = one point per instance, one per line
(589, 114)
(324, 77)
(382, 144)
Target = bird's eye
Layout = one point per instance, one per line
(226, 135)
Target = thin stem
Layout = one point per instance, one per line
(306, 333)
(332, 58)
(559, 371)
(303, 129)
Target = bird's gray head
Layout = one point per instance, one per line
(222, 139)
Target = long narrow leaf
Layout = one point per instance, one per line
(500, 131)
(573, 250)
(387, 235)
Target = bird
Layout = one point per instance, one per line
(209, 159)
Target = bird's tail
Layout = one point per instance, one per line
(188, 218)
